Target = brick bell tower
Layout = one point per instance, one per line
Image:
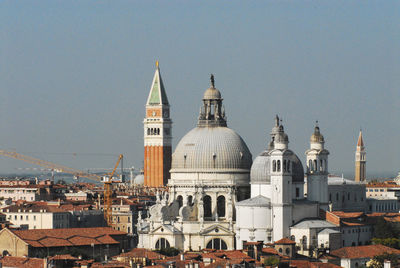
(361, 161)
(157, 135)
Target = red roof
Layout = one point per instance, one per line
(363, 251)
(285, 241)
(343, 214)
(271, 251)
(63, 257)
(68, 236)
(142, 253)
(9, 261)
(309, 264)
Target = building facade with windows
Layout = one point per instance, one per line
(31, 216)
(346, 195)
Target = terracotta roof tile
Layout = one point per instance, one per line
(142, 253)
(68, 236)
(343, 214)
(9, 261)
(270, 251)
(285, 241)
(363, 251)
(63, 257)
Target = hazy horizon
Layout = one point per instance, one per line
(75, 76)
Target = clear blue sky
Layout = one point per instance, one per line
(74, 75)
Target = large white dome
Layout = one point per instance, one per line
(211, 149)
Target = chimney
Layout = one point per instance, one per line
(387, 264)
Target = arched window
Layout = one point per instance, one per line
(310, 168)
(217, 243)
(284, 165)
(274, 165)
(190, 200)
(162, 243)
(180, 200)
(221, 206)
(321, 166)
(207, 206)
(315, 164)
(304, 242)
(337, 196)
(288, 165)
(287, 251)
(158, 131)
(278, 165)
(148, 131)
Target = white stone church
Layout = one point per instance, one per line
(218, 198)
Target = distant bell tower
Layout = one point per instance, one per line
(157, 135)
(360, 174)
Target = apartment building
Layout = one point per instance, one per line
(37, 216)
(383, 196)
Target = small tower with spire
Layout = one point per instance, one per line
(157, 135)
(360, 174)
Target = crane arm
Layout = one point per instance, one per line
(76, 172)
(49, 165)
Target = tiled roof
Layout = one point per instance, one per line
(68, 236)
(27, 207)
(386, 184)
(348, 223)
(63, 257)
(31, 186)
(110, 264)
(9, 261)
(226, 254)
(363, 251)
(142, 253)
(285, 241)
(343, 214)
(309, 264)
(271, 251)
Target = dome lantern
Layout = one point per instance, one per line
(317, 139)
(212, 112)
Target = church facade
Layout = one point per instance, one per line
(219, 198)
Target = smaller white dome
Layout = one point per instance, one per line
(260, 172)
(139, 179)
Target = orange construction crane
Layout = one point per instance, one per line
(78, 173)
